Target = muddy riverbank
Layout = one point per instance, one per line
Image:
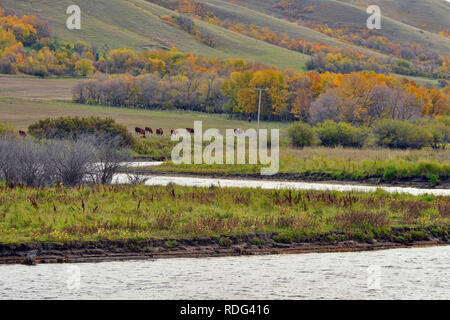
(252, 244)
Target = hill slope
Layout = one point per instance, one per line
(136, 24)
(233, 12)
(346, 13)
(430, 15)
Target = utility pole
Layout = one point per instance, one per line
(259, 104)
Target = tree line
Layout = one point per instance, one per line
(359, 98)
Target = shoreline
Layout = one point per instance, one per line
(261, 244)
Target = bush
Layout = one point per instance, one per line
(302, 135)
(88, 159)
(440, 132)
(74, 127)
(333, 134)
(401, 134)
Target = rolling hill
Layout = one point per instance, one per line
(352, 13)
(136, 24)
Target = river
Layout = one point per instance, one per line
(154, 180)
(414, 273)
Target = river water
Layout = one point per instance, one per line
(154, 180)
(413, 273)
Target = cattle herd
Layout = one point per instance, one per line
(159, 132)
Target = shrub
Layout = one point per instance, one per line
(440, 132)
(70, 162)
(343, 134)
(302, 135)
(401, 135)
(74, 127)
(6, 130)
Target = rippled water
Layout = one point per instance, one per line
(416, 273)
(266, 184)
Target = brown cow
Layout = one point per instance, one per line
(22, 133)
(148, 129)
(139, 131)
(159, 132)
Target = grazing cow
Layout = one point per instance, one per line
(139, 131)
(159, 132)
(190, 130)
(22, 133)
(149, 130)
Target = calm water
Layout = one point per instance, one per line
(267, 184)
(417, 273)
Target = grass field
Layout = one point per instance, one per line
(135, 24)
(36, 88)
(139, 213)
(22, 112)
(319, 163)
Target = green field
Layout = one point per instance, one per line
(135, 24)
(139, 213)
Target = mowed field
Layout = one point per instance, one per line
(21, 112)
(36, 88)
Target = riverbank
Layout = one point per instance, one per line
(252, 244)
(128, 222)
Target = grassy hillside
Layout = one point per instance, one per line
(348, 14)
(233, 12)
(136, 24)
(430, 15)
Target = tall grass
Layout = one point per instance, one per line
(139, 212)
(342, 164)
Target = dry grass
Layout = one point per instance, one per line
(35, 88)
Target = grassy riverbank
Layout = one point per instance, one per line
(142, 213)
(319, 163)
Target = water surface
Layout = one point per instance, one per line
(416, 273)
